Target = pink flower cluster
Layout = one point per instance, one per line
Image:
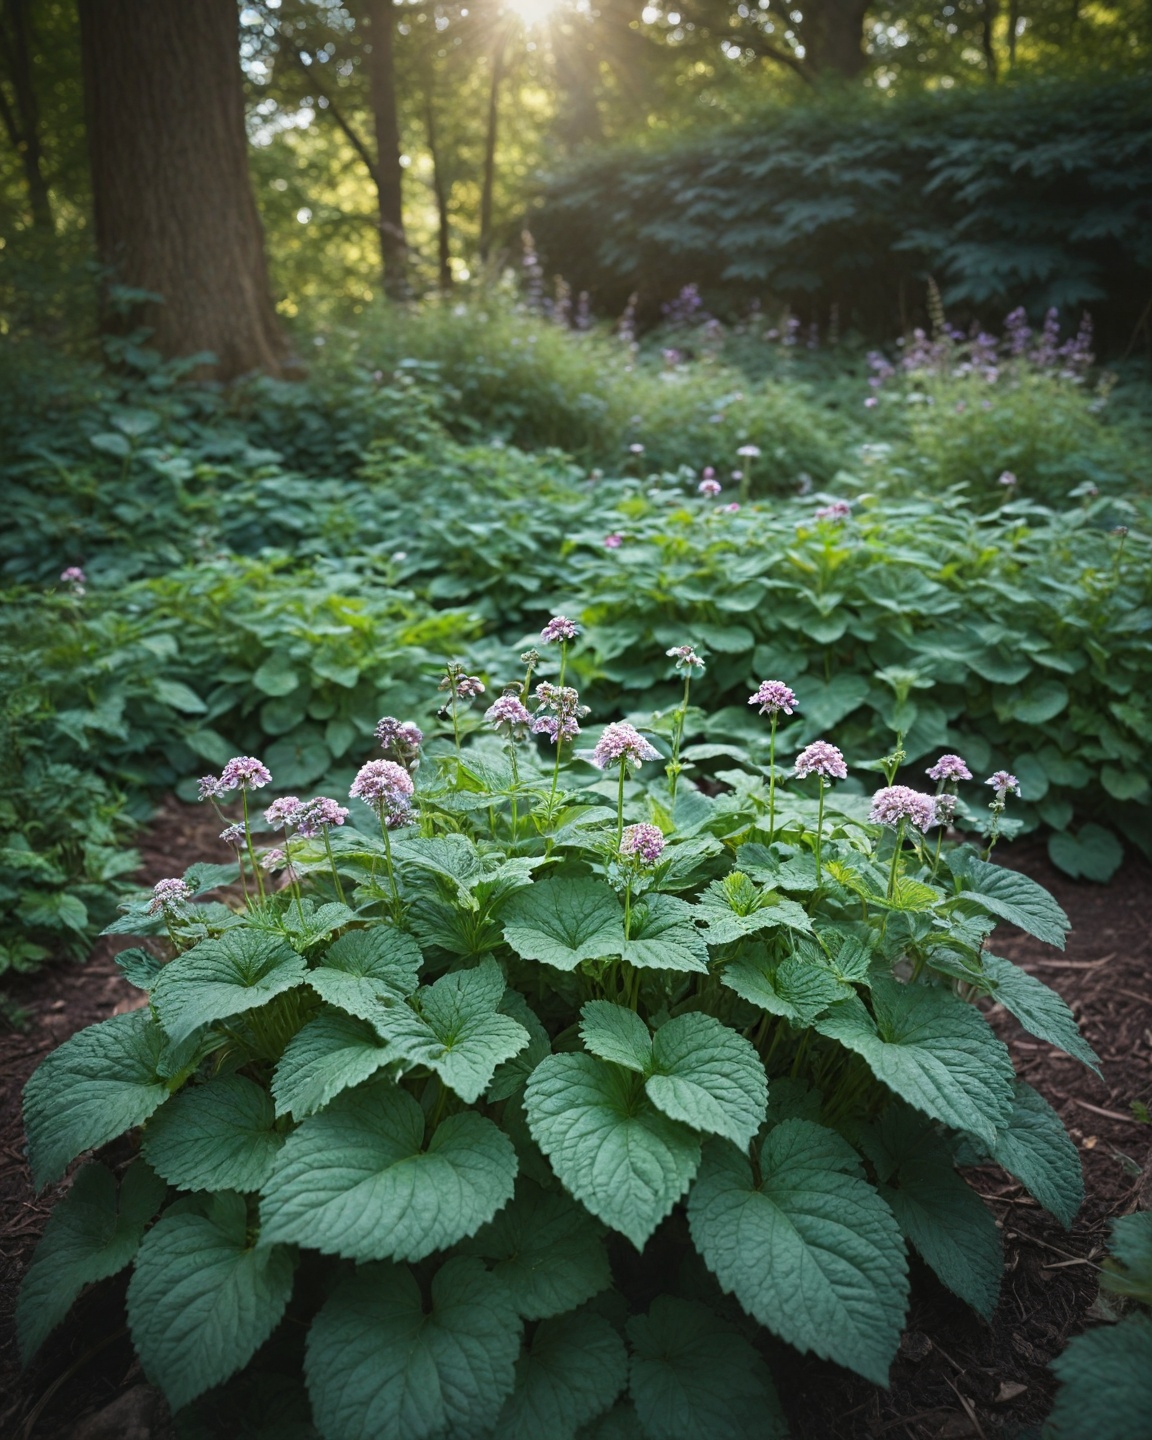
(949, 767)
(1004, 784)
(233, 835)
(509, 716)
(167, 895)
(318, 815)
(835, 512)
(559, 628)
(646, 842)
(774, 696)
(613, 541)
(74, 577)
(898, 802)
(244, 772)
(621, 742)
(822, 759)
(283, 812)
(400, 740)
(386, 788)
(685, 657)
(559, 712)
(709, 488)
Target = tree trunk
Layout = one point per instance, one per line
(389, 172)
(174, 213)
(22, 118)
(440, 190)
(833, 35)
(488, 184)
(988, 38)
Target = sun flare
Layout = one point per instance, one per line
(532, 12)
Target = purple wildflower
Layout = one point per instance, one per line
(73, 575)
(823, 759)
(468, 687)
(636, 448)
(709, 488)
(383, 785)
(273, 860)
(646, 842)
(233, 835)
(898, 802)
(945, 808)
(559, 712)
(949, 767)
(210, 787)
(774, 696)
(282, 813)
(622, 742)
(1007, 479)
(1003, 783)
(750, 452)
(509, 716)
(244, 772)
(835, 512)
(392, 733)
(319, 814)
(686, 658)
(613, 541)
(559, 628)
(732, 508)
(167, 895)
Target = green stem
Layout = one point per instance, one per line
(819, 830)
(251, 849)
(772, 779)
(628, 909)
(332, 862)
(391, 871)
(555, 768)
(515, 787)
(678, 734)
(895, 859)
(620, 803)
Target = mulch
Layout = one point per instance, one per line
(955, 1377)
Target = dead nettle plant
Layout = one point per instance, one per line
(461, 1055)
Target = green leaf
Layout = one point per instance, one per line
(546, 1249)
(933, 1050)
(356, 1179)
(663, 937)
(1093, 854)
(608, 1144)
(240, 970)
(179, 696)
(139, 967)
(1034, 1147)
(706, 1075)
(1040, 1010)
(572, 1371)
(1105, 1384)
(811, 1252)
(794, 987)
(613, 1032)
(91, 1234)
(696, 1378)
(98, 1084)
(367, 968)
(456, 1029)
(331, 1053)
(1129, 1269)
(732, 910)
(1037, 704)
(379, 1364)
(1013, 897)
(215, 1136)
(202, 1300)
(939, 1213)
(564, 922)
(276, 676)
(510, 1078)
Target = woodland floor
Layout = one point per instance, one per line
(955, 1377)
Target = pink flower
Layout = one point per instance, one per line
(1007, 479)
(74, 577)
(897, 802)
(949, 767)
(168, 895)
(646, 842)
(750, 452)
(945, 809)
(774, 696)
(318, 815)
(737, 474)
(396, 734)
(820, 758)
(732, 508)
(282, 813)
(1003, 783)
(233, 835)
(613, 541)
(210, 787)
(709, 489)
(636, 448)
(244, 772)
(871, 402)
(273, 860)
(383, 785)
(685, 657)
(834, 512)
(622, 742)
(559, 628)
(509, 716)
(559, 712)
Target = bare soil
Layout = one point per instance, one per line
(955, 1376)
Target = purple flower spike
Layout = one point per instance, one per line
(318, 815)
(168, 895)
(282, 813)
(382, 784)
(949, 767)
(646, 842)
(774, 696)
(559, 628)
(621, 741)
(244, 772)
(820, 758)
(898, 802)
(509, 716)
(1004, 784)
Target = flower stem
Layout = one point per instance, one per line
(391, 871)
(620, 803)
(332, 862)
(772, 779)
(678, 734)
(895, 859)
(251, 850)
(628, 908)
(819, 829)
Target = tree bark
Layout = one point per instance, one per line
(488, 184)
(22, 118)
(440, 190)
(389, 172)
(833, 36)
(174, 212)
(988, 38)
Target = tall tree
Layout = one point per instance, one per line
(380, 15)
(20, 112)
(174, 213)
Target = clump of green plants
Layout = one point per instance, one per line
(538, 1084)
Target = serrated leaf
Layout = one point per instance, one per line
(223, 977)
(546, 1249)
(1128, 1270)
(1013, 897)
(613, 1032)
(608, 1144)
(1039, 1009)
(933, 1050)
(202, 1300)
(139, 967)
(811, 1252)
(378, 1364)
(793, 987)
(357, 1180)
(706, 1075)
(572, 1371)
(215, 1136)
(1105, 1384)
(1034, 1147)
(693, 1377)
(92, 1233)
(564, 922)
(456, 1029)
(98, 1084)
(731, 912)
(510, 1077)
(942, 1216)
(332, 1053)
(663, 937)
(367, 968)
